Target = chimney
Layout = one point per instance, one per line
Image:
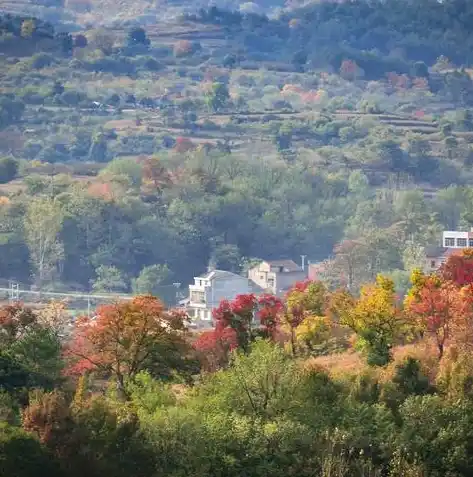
(211, 266)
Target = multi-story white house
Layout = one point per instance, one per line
(210, 289)
(276, 276)
(455, 239)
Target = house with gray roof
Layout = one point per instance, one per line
(277, 276)
(208, 290)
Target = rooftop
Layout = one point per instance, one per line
(288, 265)
(212, 274)
(435, 251)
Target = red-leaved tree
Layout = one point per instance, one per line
(435, 307)
(214, 348)
(269, 312)
(240, 314)
(459, 268)
(126, 338)
(237, 314)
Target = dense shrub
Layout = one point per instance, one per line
(8, 169)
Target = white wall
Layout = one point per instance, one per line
(220, 289)
(452, 234)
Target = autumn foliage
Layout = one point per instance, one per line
(125, 338)
(183, 144)
(435, 307)
(214, 347)
(15, 321)
(459, 268)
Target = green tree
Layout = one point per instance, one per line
(8, 169)
(420, 69)
(103, 40)
(109, 279)
(98, 148)
(137, 36)
(413, 256)
(229, 61)
(21, 455)
(11, 110)
(283, 137)
(31, 351)
(258, 384)
(124, 167)
(227, 257)
(42, 224)
(151, 280)
(451, 146)
(217, 97)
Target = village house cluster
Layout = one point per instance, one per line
(270, 276)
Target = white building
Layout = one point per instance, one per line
(276, 276)
(453, 242)
(455, 239)
(210, 289)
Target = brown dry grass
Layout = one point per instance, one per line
(347, 362)
(352, 362)
(121, 124)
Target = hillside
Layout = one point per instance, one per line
(198, 137)
(150, 145)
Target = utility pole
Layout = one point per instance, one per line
(303, 261)
(14, 294)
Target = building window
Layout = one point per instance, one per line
(261, 277)
(271, 282)
(470, 242)
(198, 297)
(461, 242)
(449, 242)
(432, 264)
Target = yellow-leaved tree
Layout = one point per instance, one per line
(305, 314)
(376, 319)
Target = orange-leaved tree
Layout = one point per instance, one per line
(15, 321)
(128, 337)
(155, 173)
(435, 305)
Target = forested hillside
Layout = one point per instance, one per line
(220, 137)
